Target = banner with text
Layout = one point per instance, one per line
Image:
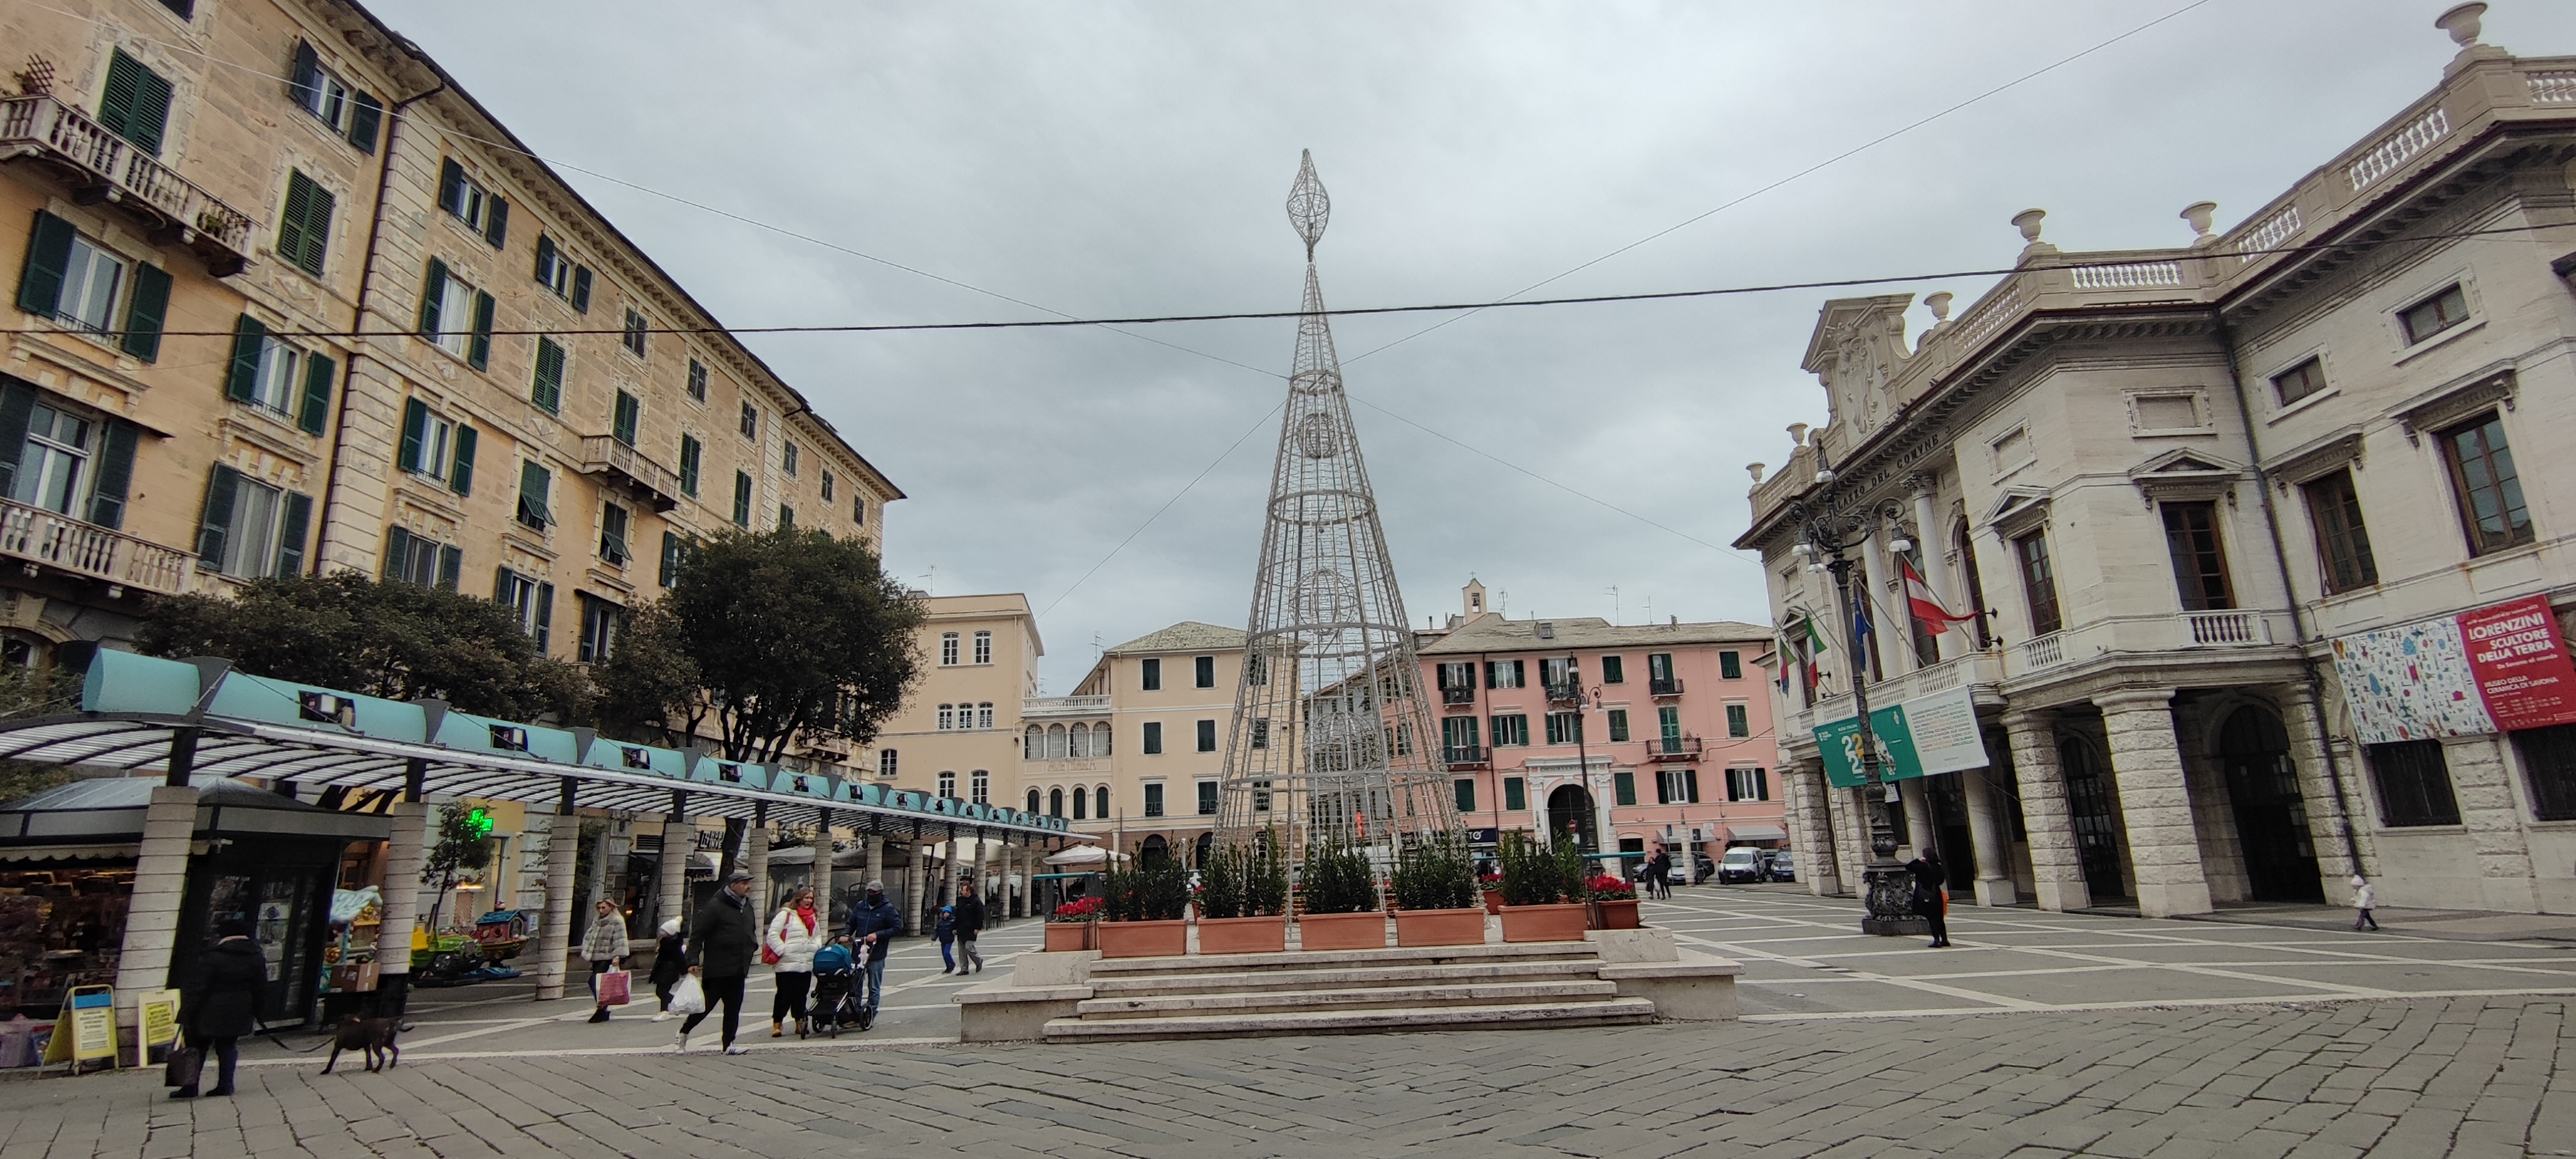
(2480, 671)
(1930, 734)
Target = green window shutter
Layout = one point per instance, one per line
(146, 312)
(290, 535)
(670, 558)
(49, 257)
(304, 232)
(431, 291)
(630, 414)
(363, 121)
(581, 289)
(1515, 793)
(496, 221)
(316, 412)
(397, 551)
(691, 450)
(534, 482)
(545, 614)
(545, 260)
(136, 104)
(17, 407)
(548, 390)
(1730, 665)
(451, 186)
(460, 476)
(304, 86)
(217, 521)
(1668, 720)
(1737, 721)
(479, 354)
(501, 586)
(241, 384)
(115, 472)
(1465, 788)
(1613, 671)
(415, 427)
(451, 566)
(1690, 786)
(741, 499)
(1624, 788)
(1618, 725)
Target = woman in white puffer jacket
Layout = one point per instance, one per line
(793, 937)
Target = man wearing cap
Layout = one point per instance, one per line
(721, 944)
(873, 926)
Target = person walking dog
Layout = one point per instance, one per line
(1931, 897)
(670, 960)
(605, 947)
(722, 942)
(793, 937)
(970, 922)
(2363, 895)
(874, 923)
(217, 1007)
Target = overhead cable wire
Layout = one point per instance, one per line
(1257, 424)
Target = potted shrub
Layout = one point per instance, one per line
(1071, 926)
(1614, 902)
(1145, 910)
(1543, 891)
(1239, 911)
(1491, 884)
(1435, 894)
(1341, 903)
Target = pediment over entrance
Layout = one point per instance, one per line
(1857, 350)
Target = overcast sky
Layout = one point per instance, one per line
(1104, 160)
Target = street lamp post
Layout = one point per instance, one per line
(1829, 528)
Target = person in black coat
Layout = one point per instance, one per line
(970, 922)
(1931, 880)
(218, 1006)
(721, 945)
(670, 960)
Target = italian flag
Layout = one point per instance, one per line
(1927, 607)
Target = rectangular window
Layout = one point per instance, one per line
(947, 717)
(601, 623)
(2199, 563)
(535, 485)
(1613, 670)
(2038, 582)
(456, 317)
(750, 421)
(1623, 788)
(2299, 381)
(1458, 734)
(1659, 671)
(135, 104)
(1559, 676)
(249, 530)
(1739, 720)
(634, 336)
(1730, 665)
(2414, 784)
(2549, 767)
(416, 560)
(1261, 732)
(1668, 723)
(742, 499)
(53, 462)
(86, 290)
(1464, 788)
(1564, 727)
(2488, 487)
(545, 387)
(1748, 785)
(613, 521)
(1511, 730)
(1154, 736)
(1151, 672)
(1618, 725)
(692, 455)
(887, 763)
(2343, 543)
(561, 276)
(675, 555)
(1207, 798)
(1503, 673)
(2434, 315)
(437, 447)
(1458, 675)
(859, 510)
(629, 415)
(1203, 672)
(304, 228)
(1207, 736)
(482, 211)
(786, 517)
(1153, 799)
(827, 486)
(788, 456)
(983, 647)
(948, 649)
(531, 602)
(1515, 793)
(697, 380)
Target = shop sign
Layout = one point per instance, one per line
(2480, 671)
(1930, 734)
(156, 1019)
(87, 1029)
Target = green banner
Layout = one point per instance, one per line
(1840, 743)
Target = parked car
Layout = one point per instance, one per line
(1742, 863)
(1782, 867)
(1701, 867)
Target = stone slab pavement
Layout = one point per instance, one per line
(2185, 1048)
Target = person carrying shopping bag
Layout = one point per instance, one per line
(794, 934)
(722, 942)
(604, 947)
(670, 961)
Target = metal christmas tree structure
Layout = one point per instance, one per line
(1332, 740)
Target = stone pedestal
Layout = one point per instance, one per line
(2146, 761)
(2057, 873)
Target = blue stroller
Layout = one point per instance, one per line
(836, 1000)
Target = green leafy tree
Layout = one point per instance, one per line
(376, 637)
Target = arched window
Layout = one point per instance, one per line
(1100, 802)
(1033, 800)
(1100, 739)
(1055, 742)
(1081, 804)
(1080, 745)
(948, 783)
(1033, 746)
(1055, 802)
(980, 782)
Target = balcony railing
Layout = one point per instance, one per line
(626, 467)
(1564, 693)
(1664, 686)
(1462, 756)
(2149, 635)
(33, 533)
(107, 168)
(2225, 629)
(1066, 706)
(1457, 696)
(1673, 748)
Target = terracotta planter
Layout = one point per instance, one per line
(1440, 927)
(1359, 931)
(1616, 915)
(1064, 936)
(1169, 939)
(1493, 901)
(1243, 935)
(1546, 923)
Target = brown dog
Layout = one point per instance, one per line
(372, 1035)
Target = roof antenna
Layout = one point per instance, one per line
(1614, 605)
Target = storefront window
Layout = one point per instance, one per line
(59, 928)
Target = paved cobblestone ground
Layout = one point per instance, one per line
(2215, 1075)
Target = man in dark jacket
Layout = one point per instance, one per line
(217, 1007)
(873, 926)
(721, 944)
(970, 921)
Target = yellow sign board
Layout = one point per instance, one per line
(87, 1028)
(156, 1020)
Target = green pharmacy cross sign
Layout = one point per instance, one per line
(480, 821)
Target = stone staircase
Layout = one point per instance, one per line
(1488, 987)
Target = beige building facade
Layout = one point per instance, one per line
(1133, 756)
(958, 734)
(2231, 510)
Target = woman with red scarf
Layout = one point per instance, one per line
(793, 937)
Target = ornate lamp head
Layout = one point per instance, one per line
(1309, 207)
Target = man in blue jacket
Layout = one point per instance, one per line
(873, 926)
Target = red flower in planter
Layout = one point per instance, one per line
(1609, 888)
(1080, 910)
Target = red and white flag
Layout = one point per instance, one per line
(1925, 605)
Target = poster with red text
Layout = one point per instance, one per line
(2522, 667)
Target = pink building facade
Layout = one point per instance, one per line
(1620, 735)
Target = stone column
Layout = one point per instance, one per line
(1936, 564)
(983, 885)
(2484, 789)
(757, 859)
(1850, 817)
(915, 876)
(1992, 836)
(2155, 802)
(555, 940)
(2057, 874)
(950, 854)
(1886, 619)
(160, 882)
(875, 846)
(1920, 833)
(2328, 812)
(678, 844)
(1811, 824)
(405, 845)
(599, 856)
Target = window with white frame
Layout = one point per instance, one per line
(456, 300)
(886, 763)
(416, 559)
(91, 282)
(980, 786)
(947, 782)
(531, 601)
(466, 200)
(52, 464)
(948, 649)
(947, 717)
(437, 446)
(1748, 785)
(984, 714)
(983, 647)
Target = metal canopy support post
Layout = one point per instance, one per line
(403, 850)
(563, 851)
(677, 845)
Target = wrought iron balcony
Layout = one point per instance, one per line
(1564, 694)
(1466, 756)
(1664, 686)
(104, 167)
(627, 468)
(55, 540)
(1457, 696)
(1673, 748)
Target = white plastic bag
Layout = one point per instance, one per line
(688, 997)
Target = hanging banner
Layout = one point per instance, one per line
(1839, 741)
(2430, 679)
(1930, 734)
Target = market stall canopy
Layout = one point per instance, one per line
(1084, 855)
(137, 711)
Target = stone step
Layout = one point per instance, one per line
(1614, 1012)
(1209, 979)
(1354, 998)
(1344, 959)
